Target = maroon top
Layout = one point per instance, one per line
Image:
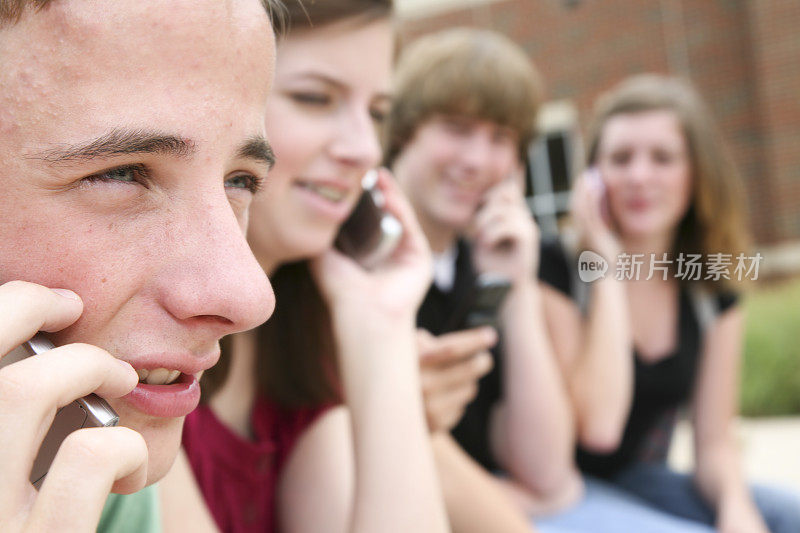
(238, 477)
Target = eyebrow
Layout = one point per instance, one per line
(325, 78)
(258, 148)
(121, 142)
(127, 142)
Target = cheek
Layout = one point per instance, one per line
(295, 138)
(680, 191)
(90, 258)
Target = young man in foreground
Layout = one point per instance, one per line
(131, 144)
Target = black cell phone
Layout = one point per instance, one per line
(482, 306)
(370, 234)
(89, 411)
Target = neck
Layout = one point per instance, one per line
(649, 244)
(439, 237)
(233, 403)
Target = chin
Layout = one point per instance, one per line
(163, 438)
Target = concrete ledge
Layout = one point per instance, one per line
(769, 449)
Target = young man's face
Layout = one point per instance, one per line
(450, 163)
(130, 132)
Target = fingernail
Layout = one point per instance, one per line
(66, 293)
(127, 365)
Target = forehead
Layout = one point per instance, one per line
(79, 66)
(352, 54)
(646, 127)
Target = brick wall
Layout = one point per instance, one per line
(744, 57)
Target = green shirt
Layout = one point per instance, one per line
(132, 513)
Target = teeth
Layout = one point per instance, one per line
(158, 376)
(329, 193)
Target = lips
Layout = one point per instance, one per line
(166, 401)
(329, 199)
(169, 385)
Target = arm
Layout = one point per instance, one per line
(475, 501)
(90, 462)
(364, 467)
(373, 312)
(539, 443)
(601, 383)
(535, 440)
(599, 363)
(718, 473)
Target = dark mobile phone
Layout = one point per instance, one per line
(370, 234)
(89, 411)
(482, 307)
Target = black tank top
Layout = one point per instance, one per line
(660, 388)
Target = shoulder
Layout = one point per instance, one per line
(135, 513)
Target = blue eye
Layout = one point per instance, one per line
(123, 174)
(245, 181)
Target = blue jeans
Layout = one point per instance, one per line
(606, 509)
(675, 494)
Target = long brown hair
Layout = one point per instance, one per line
(296, 360)
(716, 219)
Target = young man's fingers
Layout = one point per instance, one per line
(26, 308)
(456, 375)
(89, 463)
(33, 389)
(453, 346)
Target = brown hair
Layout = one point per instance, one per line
(296, 359)
(715, 220)
(316, 13)
(466, 72)
(11, 11)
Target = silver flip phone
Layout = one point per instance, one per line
(370, 234)
(89, 411)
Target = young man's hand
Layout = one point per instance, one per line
(450, 367)
(504, 235)
(90, 462)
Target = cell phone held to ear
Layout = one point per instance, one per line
(89, 411)
(370, 234)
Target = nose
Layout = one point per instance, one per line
(355, 141)
(211, 280)
(476, 154)
(639, 169)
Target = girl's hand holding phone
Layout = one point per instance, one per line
(90, 462)
(397, 285)
(590, 212)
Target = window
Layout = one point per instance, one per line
(553, 159)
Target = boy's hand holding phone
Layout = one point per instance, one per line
(90, 462)
(504, 235)
(450, 367)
